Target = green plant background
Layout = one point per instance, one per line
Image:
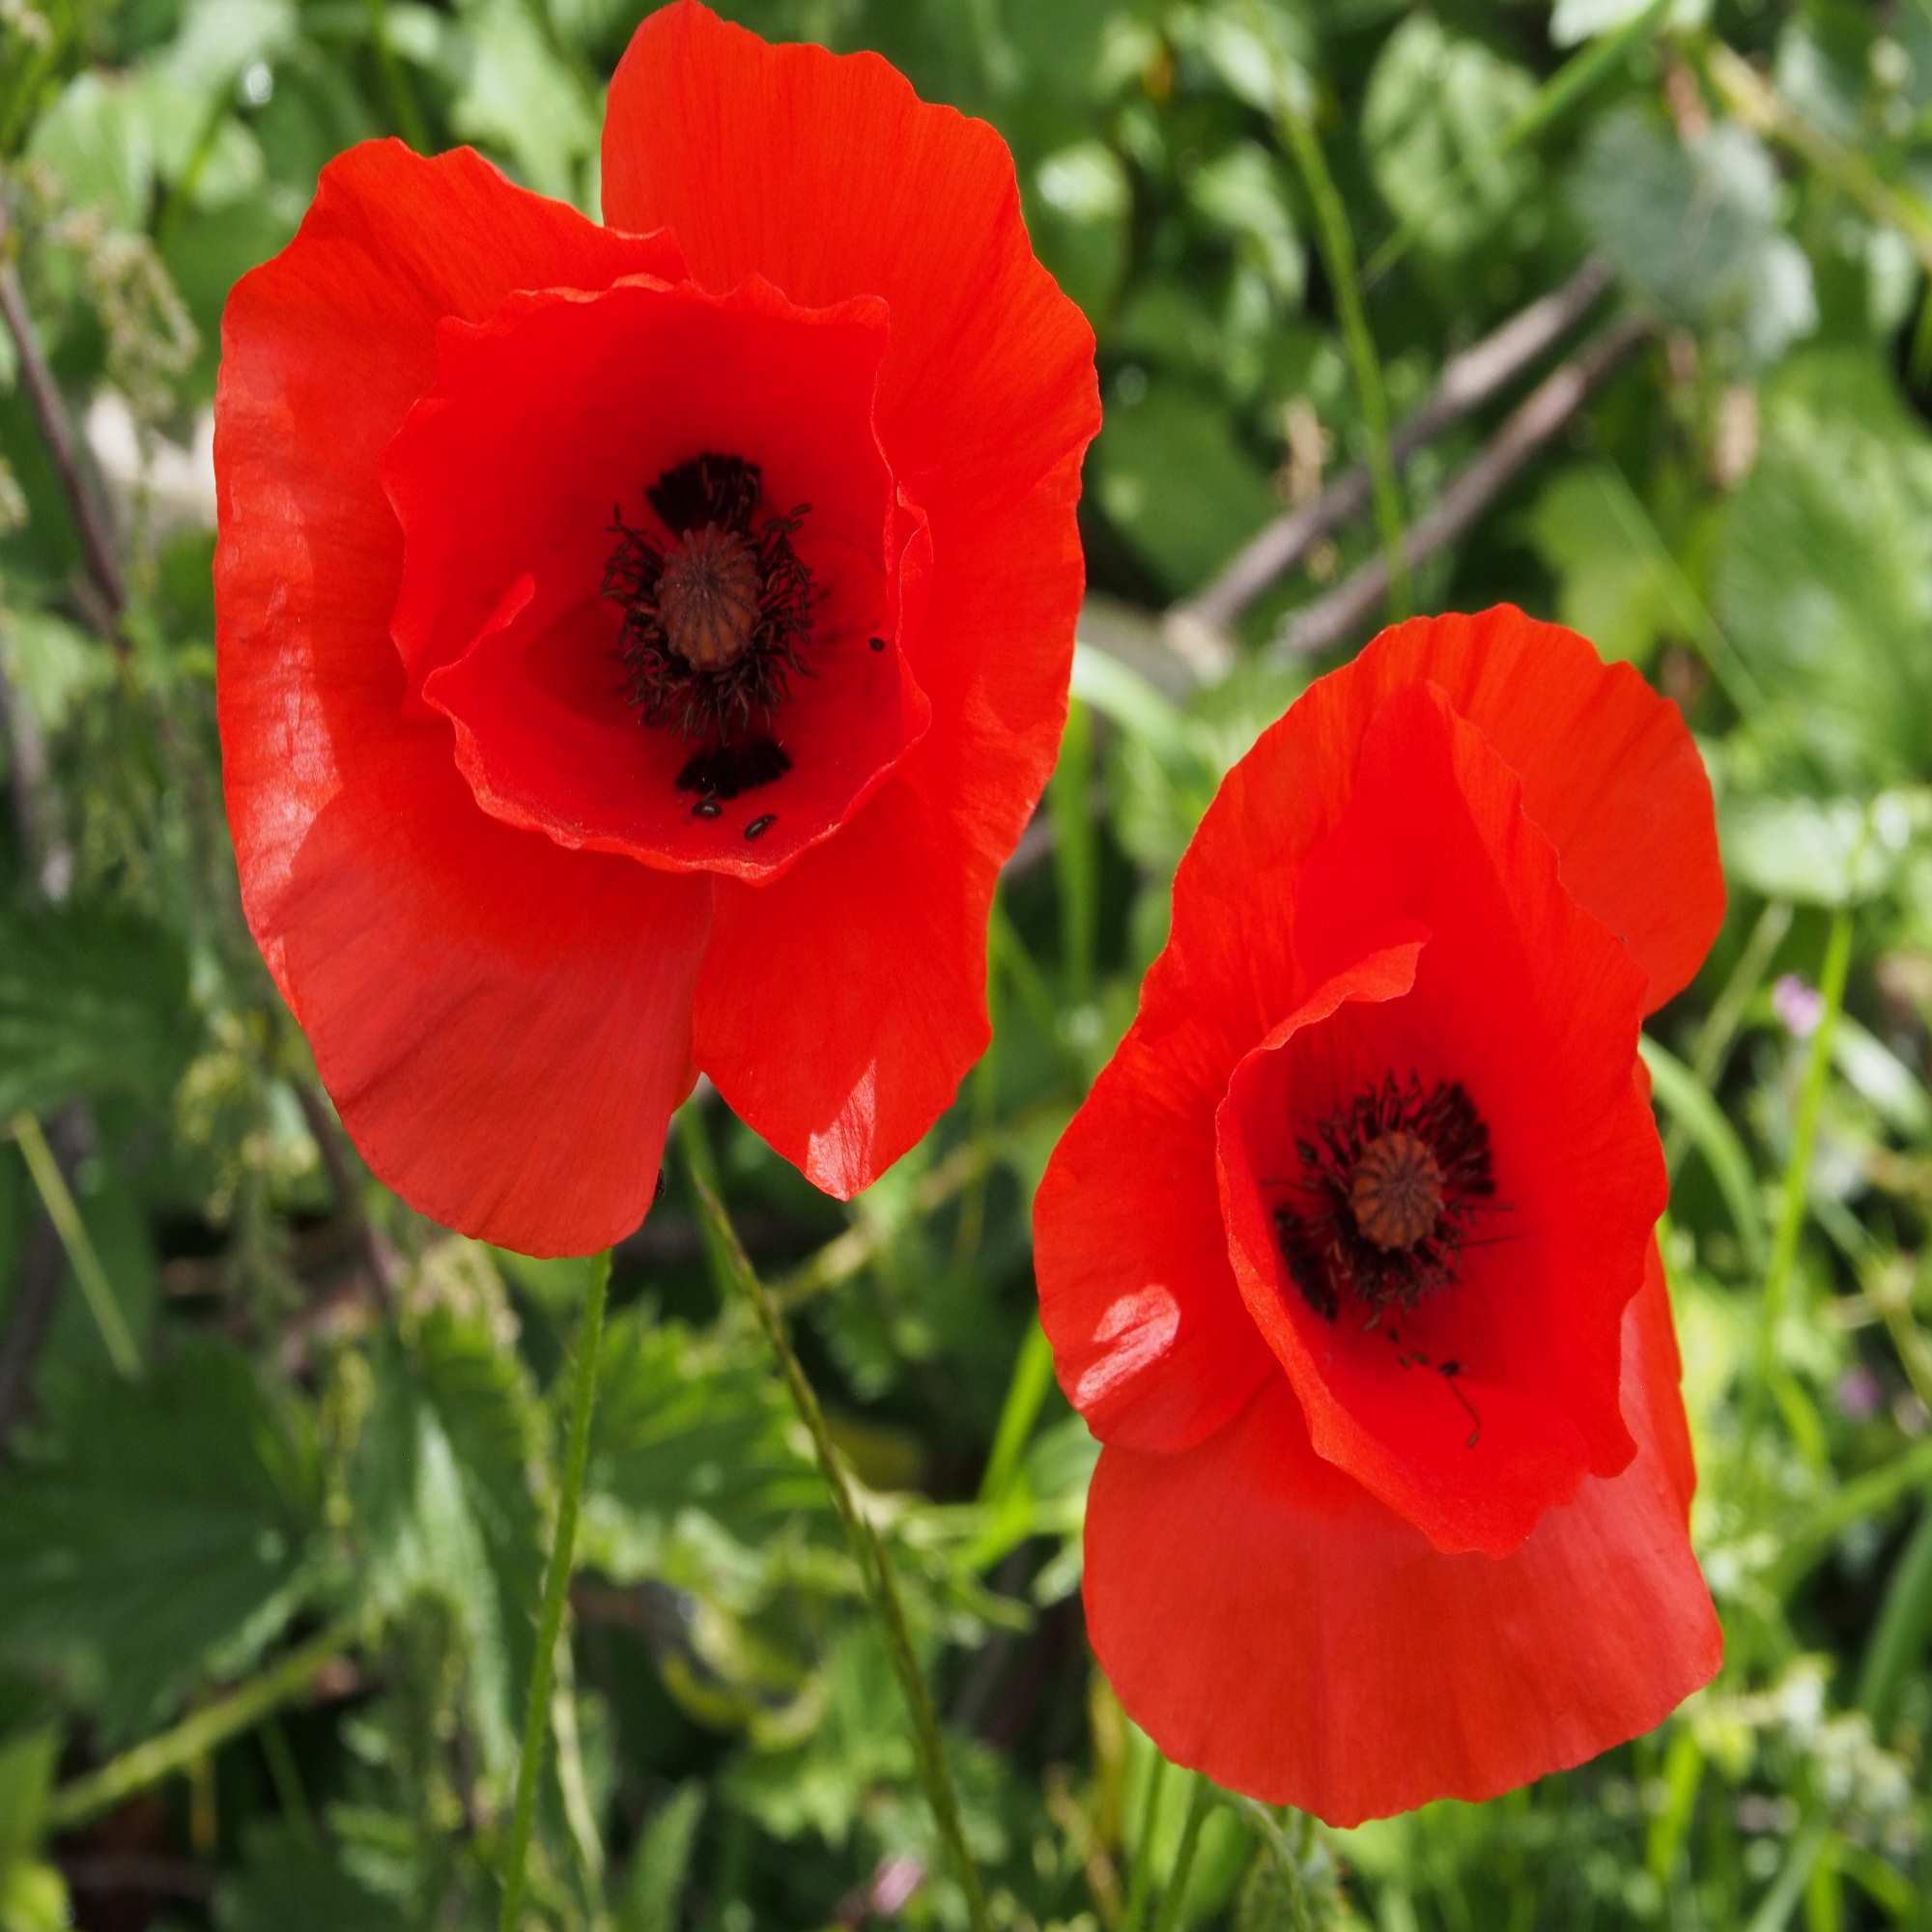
(230, 1446)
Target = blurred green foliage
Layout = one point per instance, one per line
(1741, 508)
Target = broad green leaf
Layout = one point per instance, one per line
(1825, 579)
(1437, 106)
(514, 95)
(1828, 851)
(1695, 226)
(696, 1460)
(1612, 585)
(95, 138)
(93, 1000)
(1177, 484)
(442, 1494)
(160, 1533)
(291, 1883)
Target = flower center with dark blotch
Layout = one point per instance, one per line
(717, 619)
(1388, 1188)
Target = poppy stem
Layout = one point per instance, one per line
(1183, 1857)
(875, 1566)
(556, 1590)
(1143, 1846)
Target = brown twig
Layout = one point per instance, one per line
(1352, 607)
(49, 406)
(1467, 381)
(351, 1215)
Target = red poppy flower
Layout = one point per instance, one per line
(1348, 1259)
(642, 644)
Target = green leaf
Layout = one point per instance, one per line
(92, 1002)
(660, 1869)
(1825, 579)
(290, 1883)
(94, 137)
(1239, 195)
(513, 93)
(441, 1484)
(690, 1445)
(27, 1764)
(1695, 226)
(1435, 108)
(1616, 590)
(1172, 477)
(1830, 851)
(162, 1534)
(1687, 1100)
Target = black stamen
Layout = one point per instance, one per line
(726, 699)
(727, 770)
(1330, 1253)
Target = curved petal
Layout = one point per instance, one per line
(451, 973)
(1151, 1340)
(1267, 1622)
(841, 183)
(842, 1003)
(1530, 1007)
(588, 399)
(1610, 776)
(505, 1028)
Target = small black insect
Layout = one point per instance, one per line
(759, 827)
(706, 807)
(877, 643)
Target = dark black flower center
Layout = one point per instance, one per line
(1387, 1191)
(717, 619)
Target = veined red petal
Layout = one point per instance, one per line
(1529, 1006)
(450, 972)
(1270, 1624)
(831, 177)
(588, 399)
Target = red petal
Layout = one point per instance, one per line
(842, 1004)
(586, 400)
(832, 179)
(1610, 773)
(1434, 833)
(1270, 1624)
(505, 1028)
(1151, 1340)
(504, 1025)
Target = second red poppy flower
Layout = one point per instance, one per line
(1348, 1257)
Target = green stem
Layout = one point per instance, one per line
(874, 1565)
(1025, 1391)
(1143, 1878)
(199, 1734)
(1184, 1859)
(95, 1288)
(1338, 255)
(1798, 1169)
(556, 1590)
